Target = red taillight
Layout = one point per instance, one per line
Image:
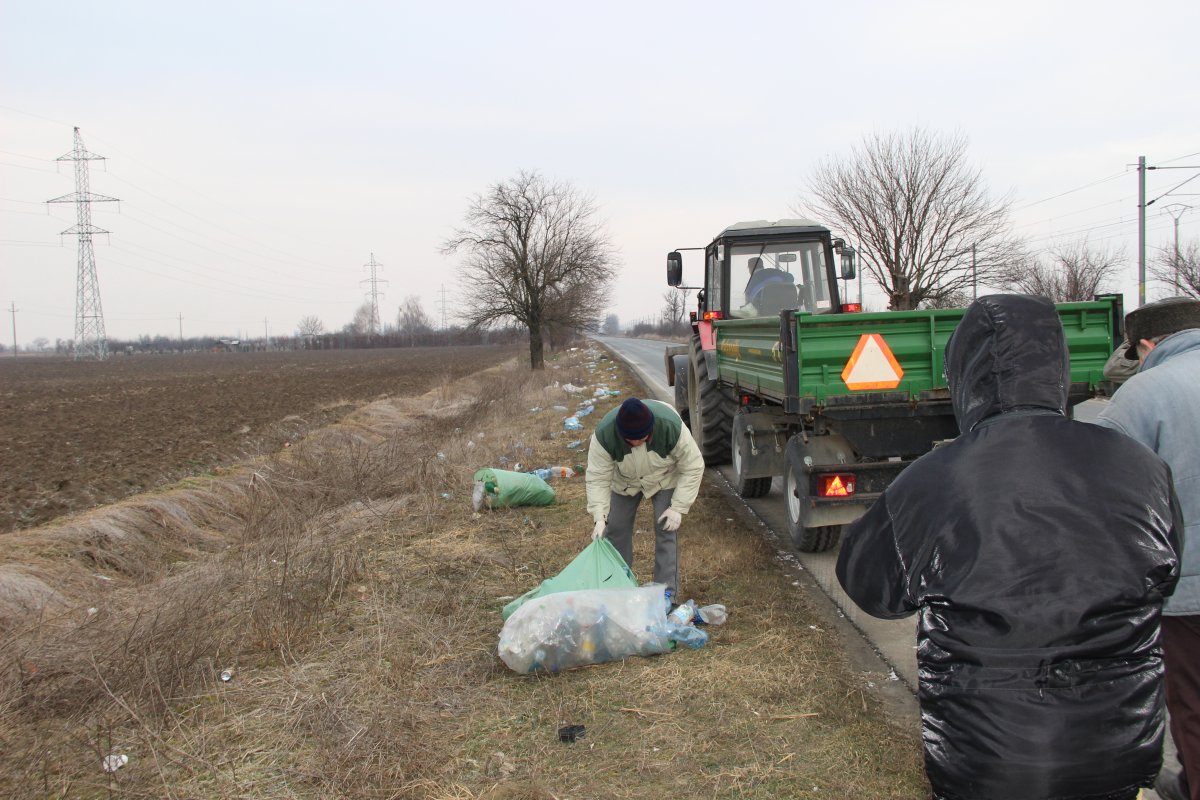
(692, 316)
(709, 316)
(851, 308)
(839, 484)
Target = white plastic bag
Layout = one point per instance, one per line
(571, 629)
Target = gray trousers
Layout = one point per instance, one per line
(622, 509)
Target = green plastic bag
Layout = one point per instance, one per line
(598, 566)
(502, 489)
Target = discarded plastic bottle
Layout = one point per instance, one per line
(683, 613)
(711, 615)
(545, 473)
(483, 489)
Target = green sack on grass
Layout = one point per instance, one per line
(598, 566)
(503, 488)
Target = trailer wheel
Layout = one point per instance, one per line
(711, 410)
(805, 537)
(740, 449)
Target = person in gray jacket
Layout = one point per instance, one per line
(1158, 407)
(642, 449)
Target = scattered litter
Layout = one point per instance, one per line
(545, 473)
(572, 424)
(574, 444)
(102, 577)
(535, 409)
(892, 676)
(572, 388)
(584, 411)
(441, 456)
(815, 628)
(444, 495)
(569, 733)
(93, 611)
(226, 675)
(470, 444)
(503, 460)
(114, 762)
(559, 408)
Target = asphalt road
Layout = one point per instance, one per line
(884, 651)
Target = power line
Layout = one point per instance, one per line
(374, 294)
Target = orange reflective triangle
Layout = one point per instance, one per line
(872, 365)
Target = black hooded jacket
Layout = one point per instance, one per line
(1037, 552)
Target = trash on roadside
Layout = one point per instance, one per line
(546, 473)
(559, 408)
(571, 388)
(573, 629)
(585, 410)
(226, 675)
(572, 424)
(113, 763)
(574, 444)
(569, 733)
(501, 488)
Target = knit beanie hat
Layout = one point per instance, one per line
(1159, 319)
(635, 420)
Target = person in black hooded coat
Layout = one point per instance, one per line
(1036, 551)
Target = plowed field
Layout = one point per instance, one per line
(79, 434)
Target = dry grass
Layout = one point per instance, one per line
(355, 597)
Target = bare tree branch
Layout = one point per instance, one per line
(1070, 273)
(1180, 271)
(534, 252)
(921, 217)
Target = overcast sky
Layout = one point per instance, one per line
(262, 152)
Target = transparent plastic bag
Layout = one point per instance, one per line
(573, 629)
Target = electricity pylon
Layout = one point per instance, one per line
(374, 294)
(90, 339)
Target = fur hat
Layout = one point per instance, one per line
(635, 420)
(1159, 319)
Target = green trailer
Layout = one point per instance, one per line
(834, 401)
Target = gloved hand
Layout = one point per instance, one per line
(670, 520)
(598, 531)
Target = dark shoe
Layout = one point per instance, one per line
(1169, 785)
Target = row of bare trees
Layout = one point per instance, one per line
(929, 232)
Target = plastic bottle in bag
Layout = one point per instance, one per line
(483, 490)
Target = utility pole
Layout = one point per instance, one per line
(12, 309)
(374, 294)
(181, 331)
(443, 306)
(266, 336)
(1182, 209)
(90, 339)
(1141, 231)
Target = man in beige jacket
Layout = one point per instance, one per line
(642, 449)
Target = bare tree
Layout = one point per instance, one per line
(921, 217)
(1067, 274)
(674, 309)
(310, 326)
(363, 322)
(412, 321)
(612, 325)
(1180, 271)
(534, 252)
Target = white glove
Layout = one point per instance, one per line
(670, 520)
(598, 531)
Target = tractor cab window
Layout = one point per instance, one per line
(766, 279)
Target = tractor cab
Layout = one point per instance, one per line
(760, 268)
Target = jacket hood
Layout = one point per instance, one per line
(1008, 353)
